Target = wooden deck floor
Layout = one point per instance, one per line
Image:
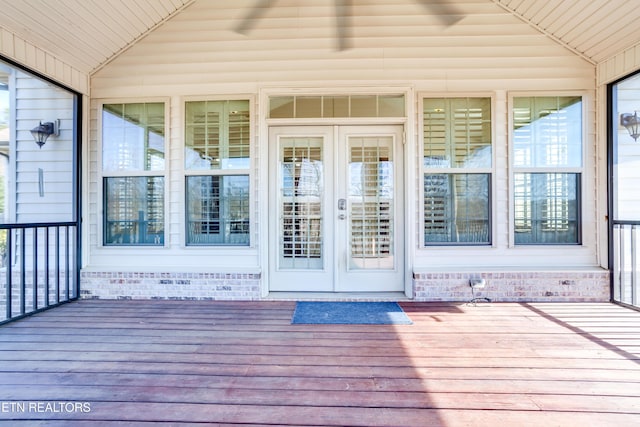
(242, 363)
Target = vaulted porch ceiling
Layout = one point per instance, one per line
(86, 34)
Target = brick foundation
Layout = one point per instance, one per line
(557, 286)
(163, 285)
(560, 286)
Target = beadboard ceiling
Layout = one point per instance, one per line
(86, 34)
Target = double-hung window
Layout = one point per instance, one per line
(457, 169)
(217, 161)
(133, 170)
(547, 168)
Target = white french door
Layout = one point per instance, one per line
(336, 209)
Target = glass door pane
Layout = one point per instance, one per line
(371, 203)
(301, 203)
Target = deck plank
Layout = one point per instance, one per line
(243, 363)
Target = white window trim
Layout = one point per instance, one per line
(581, 170)
(421, 171)
(100, 173)
(251, 172)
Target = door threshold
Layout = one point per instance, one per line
(337, 296)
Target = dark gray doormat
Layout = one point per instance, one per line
(349, 313)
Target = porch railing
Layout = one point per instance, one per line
(626, 262)
(38, 267)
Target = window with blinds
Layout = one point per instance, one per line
(547, 165)
(457, 170)
(134, 213)
(300, 206)
(547, 132)
(217, 161)
(133, 168)
(218, 210)
(217, 135)
(371, 202)
(133, 137)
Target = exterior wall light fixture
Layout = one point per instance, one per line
(632, 123)
(44, 130)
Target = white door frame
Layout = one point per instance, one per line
(335, 275)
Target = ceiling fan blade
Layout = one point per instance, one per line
(254, 14)
(446, 13)
(343, 24)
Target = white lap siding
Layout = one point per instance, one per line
(198, 53)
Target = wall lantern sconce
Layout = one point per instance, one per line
(632, 123)
(44, 130)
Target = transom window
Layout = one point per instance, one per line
(336, 106)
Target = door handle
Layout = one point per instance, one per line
(342, 216)
(342, 204)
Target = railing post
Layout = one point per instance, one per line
(66, 260)
(35, 270)
(634, 266)
(57, 265)
(9, 273)
(617, 231)
(46, 267)
(621, 258)
(23, 272)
